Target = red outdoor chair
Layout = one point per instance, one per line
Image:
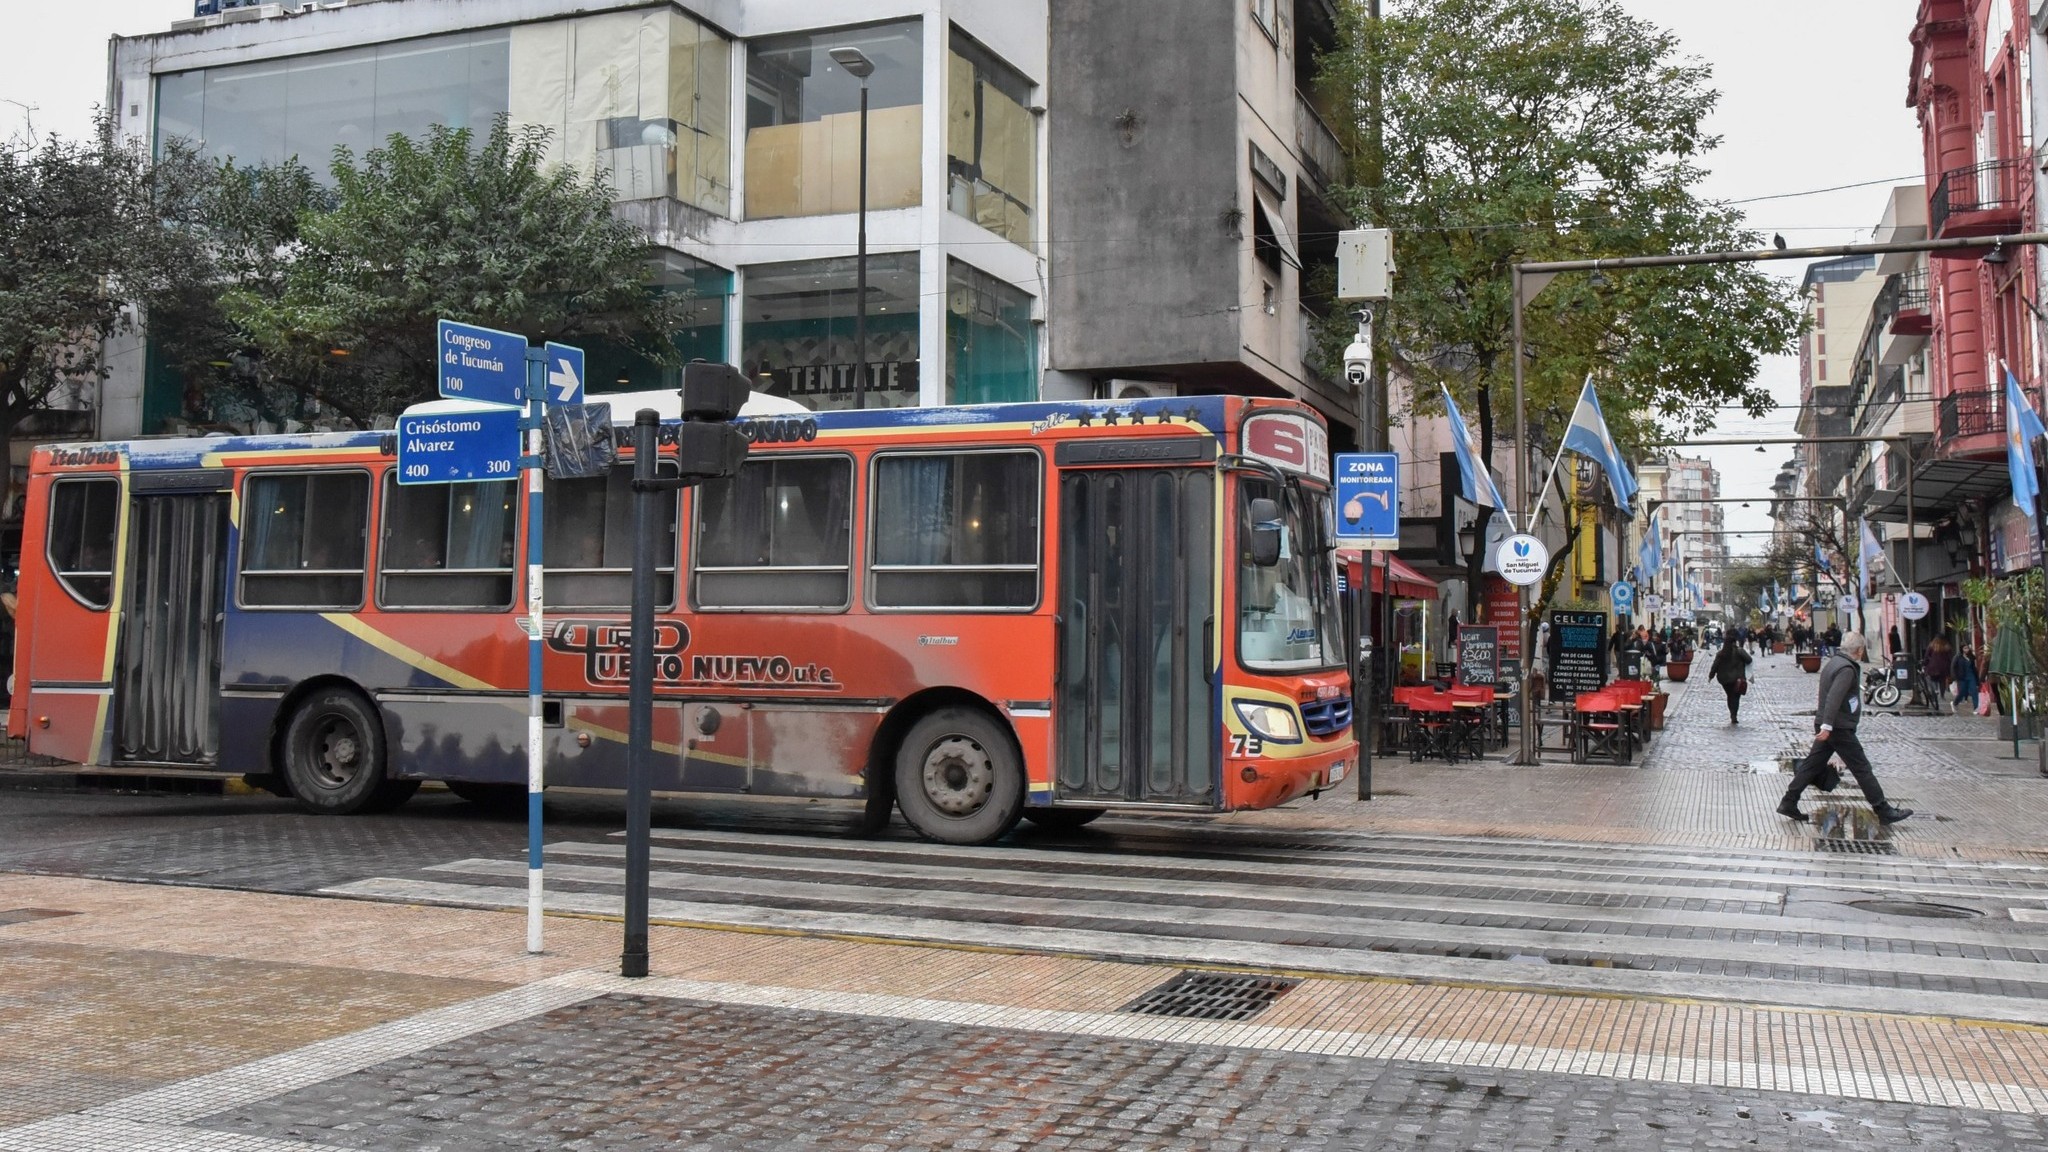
(1600, 728)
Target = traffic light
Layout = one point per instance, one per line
(708, 447)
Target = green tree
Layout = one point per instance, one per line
(94, 232)
(1520, 130)
(483, 230)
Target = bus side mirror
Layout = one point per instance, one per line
(1266, 527)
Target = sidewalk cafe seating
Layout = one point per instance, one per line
(1635, 705)
(1433, 727)
(1474, 708)
(1600, 728)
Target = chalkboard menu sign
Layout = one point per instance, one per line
(1578, 653)
(1479, 654)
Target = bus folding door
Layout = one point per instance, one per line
(167, 678)
(1135, 708)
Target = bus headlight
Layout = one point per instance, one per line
(1273, 722)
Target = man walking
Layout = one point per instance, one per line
(1841, 705)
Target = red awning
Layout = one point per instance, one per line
(1407, 581)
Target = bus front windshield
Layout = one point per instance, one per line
(1286, 614)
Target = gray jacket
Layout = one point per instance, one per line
(1841, 693)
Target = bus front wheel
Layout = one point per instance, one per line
(959, 778)
(334, 757)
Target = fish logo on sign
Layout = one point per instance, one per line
(1521, 547)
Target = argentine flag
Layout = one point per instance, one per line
(1870, 549)
(1652, 552)
(1588, 436)
(1478, 478)
(2022, 428)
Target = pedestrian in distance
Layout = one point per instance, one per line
(1937, 664)
(1731, 672)
(1841, 705)
(1966, 678)
(1831, 639)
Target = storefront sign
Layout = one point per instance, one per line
(1478, 654)
(1503, 602)
(1577, 653)
(837, 380)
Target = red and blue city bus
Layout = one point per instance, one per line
(976, 614)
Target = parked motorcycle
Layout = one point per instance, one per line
(1880, 688)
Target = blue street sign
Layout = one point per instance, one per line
(564, 374)
(1369, 499)
(457, 447)
(481, 364)
(1623, 594)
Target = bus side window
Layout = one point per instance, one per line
(303, 536)
(956, 530)
(83, 517)
(587, 542)
(446, 545)
(778, 535)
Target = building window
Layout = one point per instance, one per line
(616, 366)
(991, 142)
(991, 351)
(587, 542)
(778, 535)
(303, 539)
(642, 97)
(83, 517)
(266, 111)
(797, 335)
(955, 530)
(447, 545)
(803, 122)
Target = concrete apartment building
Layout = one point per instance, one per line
(1067, 198)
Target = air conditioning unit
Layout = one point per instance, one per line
(1139, 390)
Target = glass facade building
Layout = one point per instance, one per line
(652, 98)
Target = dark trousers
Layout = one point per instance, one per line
(1734, 701)
(1841, 743)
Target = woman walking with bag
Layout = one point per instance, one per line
(1731, 671)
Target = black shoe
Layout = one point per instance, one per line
(1790, 811)
(1892, 814)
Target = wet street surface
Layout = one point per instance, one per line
(1483, 956)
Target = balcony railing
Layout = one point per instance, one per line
(1969, 414)
(1994, 185)
(1317, 145)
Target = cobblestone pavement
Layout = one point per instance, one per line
(751, 1041)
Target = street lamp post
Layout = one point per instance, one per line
(860, 68)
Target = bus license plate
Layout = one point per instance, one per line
(1337, 771)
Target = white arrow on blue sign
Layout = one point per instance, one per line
(1368, 499)
(483, 365)
(565, 374)
(458, 447)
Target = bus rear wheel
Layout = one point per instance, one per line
(334, 757)
(959, 778)
(1061, 819)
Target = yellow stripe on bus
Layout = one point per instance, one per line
(404, 654)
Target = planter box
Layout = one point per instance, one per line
(1778, 648)
(1809, 661)
(1658, 702)
(1678, 670)
(2029, 727)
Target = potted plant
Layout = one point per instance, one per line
(1678, 668)
(1809, 661)
(1658, 701)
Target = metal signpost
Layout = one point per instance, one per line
(707, 447)
(487, 366)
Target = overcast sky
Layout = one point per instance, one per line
(1813, 96)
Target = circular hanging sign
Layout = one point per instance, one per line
(1652, 602)
(1623, 594)
(1521, 559)
(1846, 602)
(1913, 606)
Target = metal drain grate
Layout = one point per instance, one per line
(24, 915)
(1920, 908)
(1856, 847)
(1212, 996)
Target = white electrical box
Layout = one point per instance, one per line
(1365, 264)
